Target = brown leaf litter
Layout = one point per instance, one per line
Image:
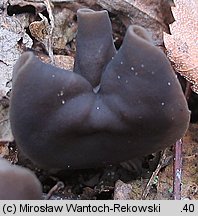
(182, 44)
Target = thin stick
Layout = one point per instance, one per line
(59, 185)
(49, 7)
(164, 160)
(177, 166)
(177, 170)
(188, 90)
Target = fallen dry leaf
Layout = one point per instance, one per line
(159, 10)
(61, 61)
(122, 191)
(38, 5)
(5, 130)
(11, 32)
(182, 44)
(190, 169)
(154, 15)
(4, 150)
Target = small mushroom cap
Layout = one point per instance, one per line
(17, 183)
(59, 120)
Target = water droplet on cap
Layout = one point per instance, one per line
(132, 68)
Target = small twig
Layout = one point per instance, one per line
(162, 163)
(188, 90)
(49, 7)
(59, 185)
(177, 166)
